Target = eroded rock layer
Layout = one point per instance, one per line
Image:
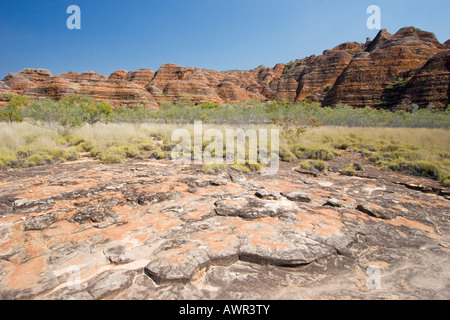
(393, 71)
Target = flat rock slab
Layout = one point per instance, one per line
(252, 208)
(267, 194)
(179, 264)
(376, 211)
(152, 230)
(277, 246)
(297, 196)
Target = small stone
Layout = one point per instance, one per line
(375, 211)
(250, 208)
(308, 172)
(39, 223)
(95, 213)
(174, 208)
(267, 194)
(297, 196)
(110, 282)
(218, 182)
(176, 262)
(333, 202)
(118, 255)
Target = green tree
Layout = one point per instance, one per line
(55, 115)
(11, 112)
(92, 111)
(292, 129)
(136, 115)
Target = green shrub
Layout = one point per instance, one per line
(257, 167)
(74, 141)
(358, 167)
(59, 154)
(209, 105)
(58, 116)
(72, 154)
(12, 112)
(341, 145)
(319, 165)
(158, 155)
(349, 171)
(39, 160)
(213, 168)
(86, 146)
(146, 146)
(111, 155)
(417, 168)
(313, 152)
(286, 154)
(240, 167)
(389, 148)
(25, 152)
(131, 151)
(6, 160)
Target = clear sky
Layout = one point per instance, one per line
(210, 34)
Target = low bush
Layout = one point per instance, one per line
(286, 154)
(349, 171)
(240, 167)
(318, 165)
(418, 168)
(158, 155)
(111, 155)
(313, 152)
(213, 168)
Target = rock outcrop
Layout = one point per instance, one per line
(141, 76)
(157, 230)
(426, 87)
(322, 72)
(380, 66)
(393, 71)
(114, 89)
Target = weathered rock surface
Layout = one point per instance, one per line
(297, 196)
(364, 80)
(114, 89)
(141, 76)
(392, 71)
(321, 73)
(427, 87)
(153, 230)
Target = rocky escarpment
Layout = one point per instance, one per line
(115, 89)
(381, 66)
(425, 87)
(393, 71)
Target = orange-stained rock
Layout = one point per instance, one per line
(16, 81)
(427, 87)
(95, 231)
(118, 75)
(141, 76)
(55, 88)
(199, 90)
(117, 92)
(232, 93)
(370, 72)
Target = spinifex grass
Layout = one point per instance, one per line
(418, 151)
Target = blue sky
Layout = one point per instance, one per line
(210, 34)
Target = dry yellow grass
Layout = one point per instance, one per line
(22, 144)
